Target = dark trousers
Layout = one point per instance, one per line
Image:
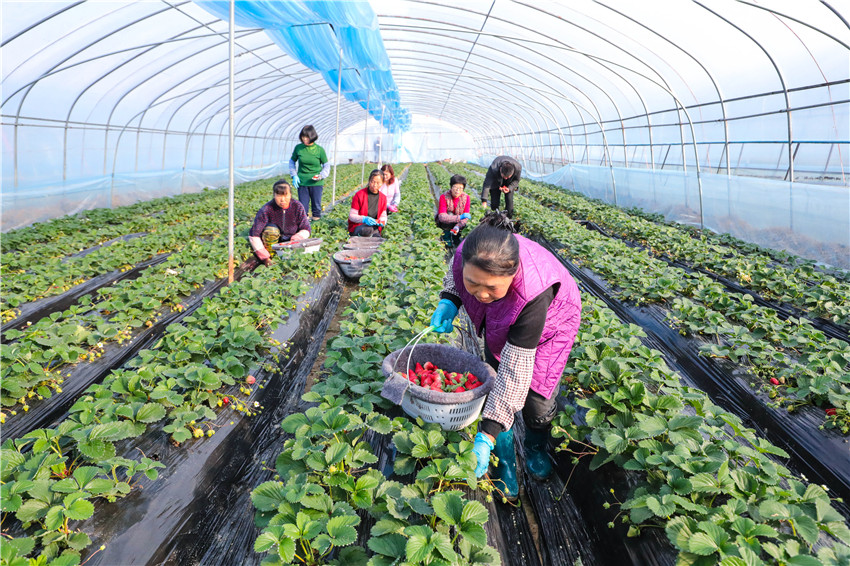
(314, 193)
(538, 412)
(495, 197)
(367, 231)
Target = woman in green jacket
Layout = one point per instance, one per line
(312, 168)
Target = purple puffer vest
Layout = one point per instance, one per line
(538, 270)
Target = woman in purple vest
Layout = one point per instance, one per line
(529, 309)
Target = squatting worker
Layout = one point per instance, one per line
(282, 219)
(453, 211)
(529, 308)
(368, 214)
(312, 168)
(502, 177)
(391, 188)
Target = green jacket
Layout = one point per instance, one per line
(311, 159)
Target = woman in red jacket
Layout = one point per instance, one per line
(453, 212)
(368, 214)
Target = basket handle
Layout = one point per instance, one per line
(415, 340)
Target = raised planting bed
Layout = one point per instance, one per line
(196, 511)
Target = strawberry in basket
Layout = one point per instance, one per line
(431, 377)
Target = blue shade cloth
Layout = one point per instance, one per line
(313, 31)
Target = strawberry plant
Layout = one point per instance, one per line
(711, 483)
(426, 521)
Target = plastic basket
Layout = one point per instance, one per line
(352, 262)
(452, 411)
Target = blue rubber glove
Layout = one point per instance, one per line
(465, 216)
(481, 449)
(369, 221)
(296, 182)
(443, 316)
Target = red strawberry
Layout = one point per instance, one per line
(429, 366)
(774, 381)
(225, 400)
(250, 380)
(830, 412)
(419, 368)
(460, 389)
(411, 375)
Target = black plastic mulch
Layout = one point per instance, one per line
(36, 310)
(51, 410)
(823, 456)
(199, 511)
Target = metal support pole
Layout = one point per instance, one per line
(365, 136)
(336, 137)
(230, 260)
(381, 143)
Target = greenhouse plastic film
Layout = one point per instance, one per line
(36, 203)
(812, 221)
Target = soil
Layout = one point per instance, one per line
(319, 365)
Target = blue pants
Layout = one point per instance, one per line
(314, 193)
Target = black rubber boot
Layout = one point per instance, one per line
(536, 456)
(504, 475)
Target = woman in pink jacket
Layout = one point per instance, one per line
(529, 308)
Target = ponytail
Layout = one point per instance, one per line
(492, 246)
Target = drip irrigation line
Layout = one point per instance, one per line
(821, 455)
(52, 410)
(188, 515)
(38, 309)
(783, 311)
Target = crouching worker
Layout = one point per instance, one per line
(453, 211)
(368, 214)
(282, 219)
(529, 308)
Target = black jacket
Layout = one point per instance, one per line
(493, 178)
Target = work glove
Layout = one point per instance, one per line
(296, 182)
(465, 216)
(392, 208)
(443, 316)
(481, 449)
(369, 221)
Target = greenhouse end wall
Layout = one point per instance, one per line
(812, 221)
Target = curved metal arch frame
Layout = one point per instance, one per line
(508, 83)
(703, 67)
(610, 70)
(521, 43)
(432, 31)
(525, 86)
(520, 70)
(61, 61)
(778, 73)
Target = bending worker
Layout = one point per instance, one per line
(282, 219)
(529, 308)
(502, 177)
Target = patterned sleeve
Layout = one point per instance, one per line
(512, 382)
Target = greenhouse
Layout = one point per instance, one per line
(401, 282)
